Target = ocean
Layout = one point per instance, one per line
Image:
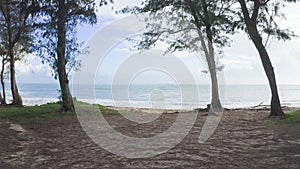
(161, 95)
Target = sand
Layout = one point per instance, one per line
(244, 139)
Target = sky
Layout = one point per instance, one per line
(241, 60)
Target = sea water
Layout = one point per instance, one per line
(167, 96)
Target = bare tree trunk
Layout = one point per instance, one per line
(3, 99)
(67, 102)
(269, 70)
(215, 102)
(17, 100)
(251, 25)
(210, 59)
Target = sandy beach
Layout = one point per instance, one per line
(149, 84)
(244, 139)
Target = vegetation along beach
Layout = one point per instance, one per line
(149, 84)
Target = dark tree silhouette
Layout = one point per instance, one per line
(259, 19)
(16, 23)
(58, 44)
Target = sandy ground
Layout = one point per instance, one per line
(244, 139)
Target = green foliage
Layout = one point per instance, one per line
(16, 40)
(16, 19)
(293, 1)
(264, 15)
(104, 110)
(77, 12)
(105, 2)
(16, 16)
(219, 17)
(291, 118)
(178, 22)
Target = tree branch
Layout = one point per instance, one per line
(245, 10)
(256, 10)
(178, 31)
(265, 3)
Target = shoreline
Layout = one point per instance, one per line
(200, 110)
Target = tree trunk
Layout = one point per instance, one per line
(3, 99)
(210, 59)
(67, 102)
(269, 70)
(17, 100)
(216, 105)
(215, 100)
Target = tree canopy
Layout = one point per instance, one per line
(258, 18)
(77, 12)
(16, 37)
(57, 41)
(199, 26)
(177, 23)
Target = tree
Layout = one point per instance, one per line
(57, 44)
(15, 22)
(193, 25)
(4, 62)
(3, 65)
(259, 17)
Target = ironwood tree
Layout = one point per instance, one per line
(192, 25)
(58, 45)
(16, 26)
(259, 19)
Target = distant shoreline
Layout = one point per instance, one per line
(198, 110)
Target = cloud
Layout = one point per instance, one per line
(33, 71)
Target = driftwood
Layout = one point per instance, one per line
(203, 110)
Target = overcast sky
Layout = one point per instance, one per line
(241, 60)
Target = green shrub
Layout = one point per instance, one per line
(291, 118)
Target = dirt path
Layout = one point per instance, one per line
(242, 140)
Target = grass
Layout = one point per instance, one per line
(42, 112)
(53, 110)
(291, 118)
(86, 109)
(33, 113)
